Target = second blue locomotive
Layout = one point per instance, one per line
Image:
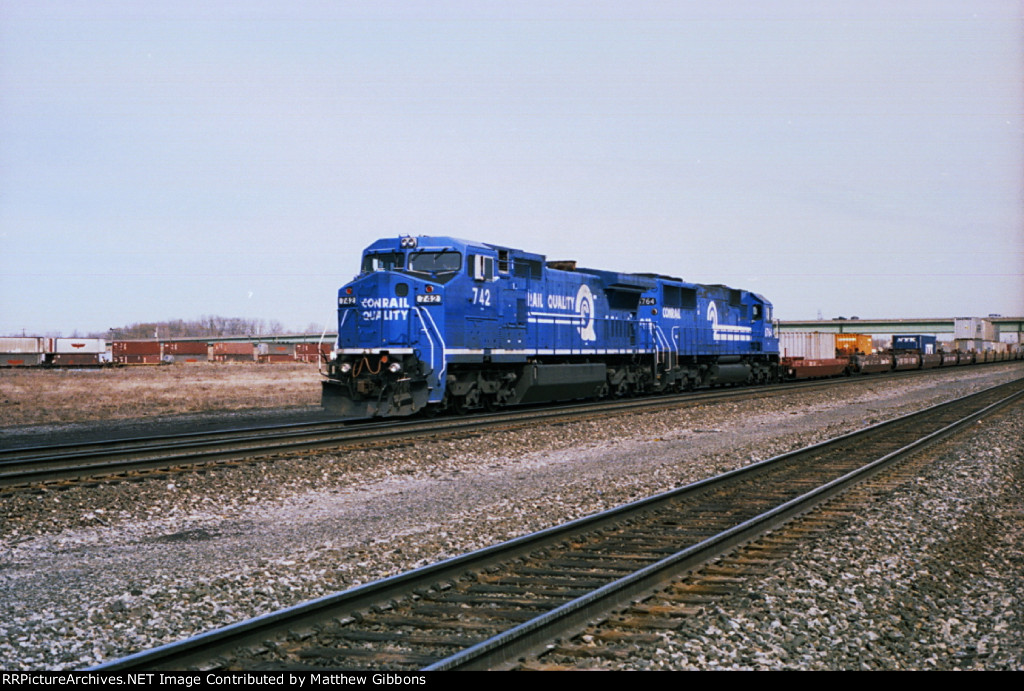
(434, 323)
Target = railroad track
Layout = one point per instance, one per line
(488, 608)
(60, 464)
(682, 606)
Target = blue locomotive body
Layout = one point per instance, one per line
(437, 322)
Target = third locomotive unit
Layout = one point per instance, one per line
(435, 323)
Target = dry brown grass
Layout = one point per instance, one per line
(49, 396)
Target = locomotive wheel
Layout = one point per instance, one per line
(473, 399)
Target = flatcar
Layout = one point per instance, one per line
(905, 353)
(436, 323)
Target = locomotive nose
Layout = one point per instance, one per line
(388, 362)
(383, 310)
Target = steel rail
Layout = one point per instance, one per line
(41, 464)
(15, 455)
(575, 613)
(571, 616)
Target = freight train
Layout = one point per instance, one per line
(435, 323)
(34, 351)
(907, 353)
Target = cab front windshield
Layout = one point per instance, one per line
(383, 261)
(435, 263)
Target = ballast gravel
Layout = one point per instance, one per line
(932, 577)
(93, 573)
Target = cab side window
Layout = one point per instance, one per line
(483, 268)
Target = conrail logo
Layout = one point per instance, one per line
(725, 332)
(585, 308)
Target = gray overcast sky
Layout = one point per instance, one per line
(168, 160)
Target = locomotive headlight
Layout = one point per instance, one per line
(395, 367)
(346, 367)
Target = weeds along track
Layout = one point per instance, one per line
(491, 607)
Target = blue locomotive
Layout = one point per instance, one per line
(437, 323)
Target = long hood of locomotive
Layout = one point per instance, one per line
(513, 319)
